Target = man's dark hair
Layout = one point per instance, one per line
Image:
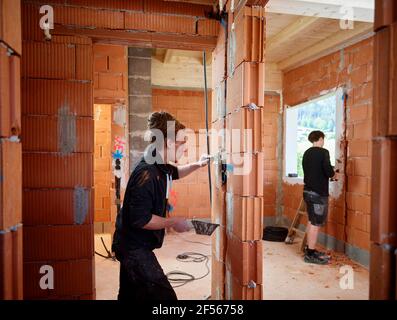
(314, 136)
(159, 120)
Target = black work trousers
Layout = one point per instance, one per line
(142, 278)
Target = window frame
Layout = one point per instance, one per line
(339, 127)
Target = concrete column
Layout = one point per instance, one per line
(140, 100)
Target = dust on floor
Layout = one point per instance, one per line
(286, 276)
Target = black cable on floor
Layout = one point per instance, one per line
(195, 257)
(182, 278)
(109, 256)
(101, 255)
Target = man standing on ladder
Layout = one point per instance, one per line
(317, 171)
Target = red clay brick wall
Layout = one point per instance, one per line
(110, 73)
(351, 67)
(58, 176)
(59, 74)
(192, 193)
(218, 208)
(11, 233)
(114, 19)
(383, 271)
(110, 87)
(103, 177)
(57, 139)
(270, 148)
(245, 105)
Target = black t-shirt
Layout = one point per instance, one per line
(317, 170)
(145, 196)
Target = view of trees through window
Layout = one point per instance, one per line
(317, 115)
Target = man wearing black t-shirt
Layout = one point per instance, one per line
(141, 223)
(317, 171)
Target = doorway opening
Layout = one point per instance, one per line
(152, 80)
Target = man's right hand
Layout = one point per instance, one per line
(180, 225)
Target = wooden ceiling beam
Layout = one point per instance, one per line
(290, 32)
(168, 55)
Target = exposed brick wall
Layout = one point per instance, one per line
(110, 73)
(180, 24)
(103, 177)
(60, 74)
(218, 192)
(383, 271)
(110, 97)
(243, 257)
(11, 230)
(270, 148)
(57, 108)
(192, 192)
(351, 67)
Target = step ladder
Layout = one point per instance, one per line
(293, 229)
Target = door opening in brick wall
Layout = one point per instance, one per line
(172, 80)
(177, 87)
(82, 71)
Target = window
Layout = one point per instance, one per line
(325, 114)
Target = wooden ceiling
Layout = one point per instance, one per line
(291, 38)
(297, 32)
(179, 68)
(181, 56)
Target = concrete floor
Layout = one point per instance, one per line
(286, 276)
